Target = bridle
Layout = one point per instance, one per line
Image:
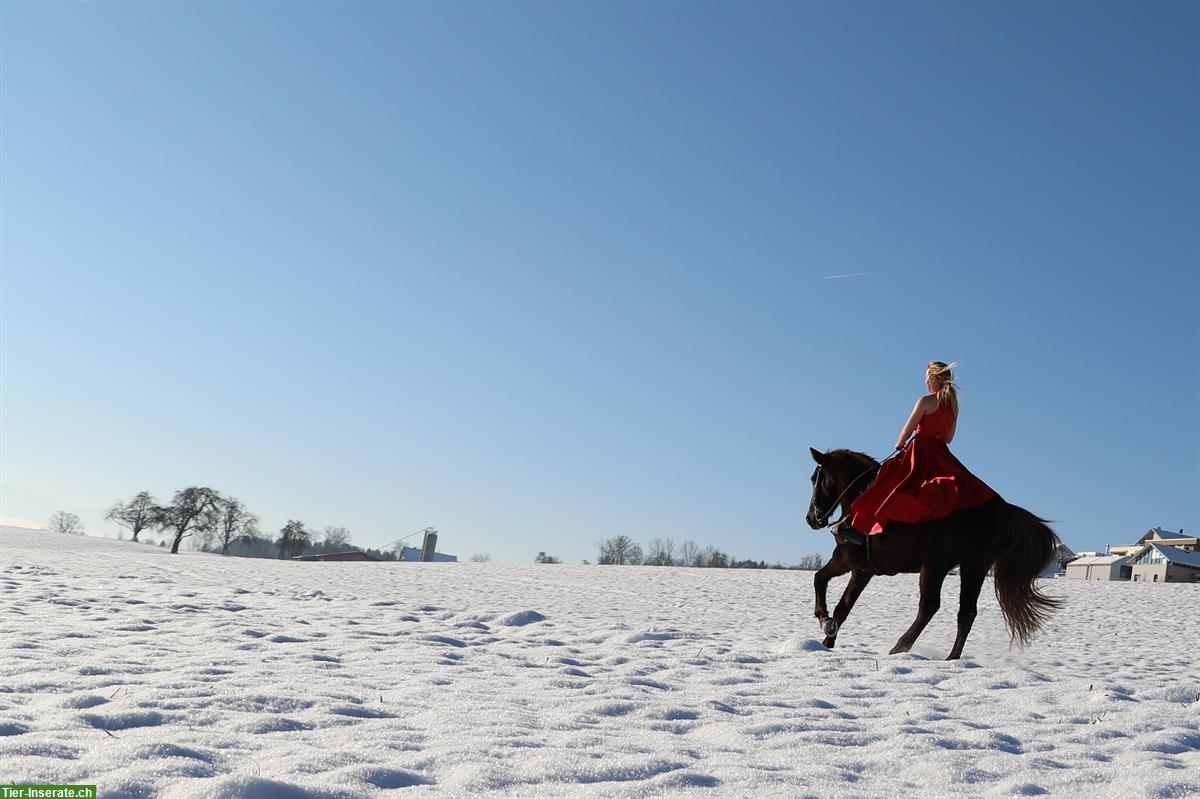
(823, 518)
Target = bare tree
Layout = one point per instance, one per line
(293, 539)
(811, 562)
(64, 522)
(482, 557)
(205, 540)
(542, 557)
(661, 552)
(234, 523)
(136, 515)
(619, 551)
(192, 510)
(336, 537)
(712, 557)
(688, 553)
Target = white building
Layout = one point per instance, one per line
(1159, 556)
(1100, 567)
(1160, 563)
(1157, 535)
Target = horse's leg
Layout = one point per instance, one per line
(971, 578)
(836, 567)
(931, 600)
(858, 581)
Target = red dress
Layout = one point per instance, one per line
(925, 482)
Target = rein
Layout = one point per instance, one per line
(824, 517)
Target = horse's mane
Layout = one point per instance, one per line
(858, 460)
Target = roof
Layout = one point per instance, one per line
(1159, 533)
(351, 555)
(1099, 560)
(1180, 557)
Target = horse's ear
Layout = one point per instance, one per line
(819, 457)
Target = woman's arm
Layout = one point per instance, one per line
(918, 412)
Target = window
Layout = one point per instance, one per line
(1156, 578)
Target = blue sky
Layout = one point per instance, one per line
(539, 274)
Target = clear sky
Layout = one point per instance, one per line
(539, 274)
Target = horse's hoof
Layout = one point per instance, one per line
(898, 649)
(830, 628)
(829, 642)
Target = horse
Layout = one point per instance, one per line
(997, 536)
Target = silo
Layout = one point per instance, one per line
(429, 545)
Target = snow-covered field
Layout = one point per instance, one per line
(201, 676)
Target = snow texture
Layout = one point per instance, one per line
(200, 676)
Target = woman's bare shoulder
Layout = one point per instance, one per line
(928, 403)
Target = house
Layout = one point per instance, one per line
(1159, 556)
(1162, 563)
(1157, 535)
(351, 555)
(1092, 566)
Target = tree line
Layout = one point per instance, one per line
(622, 550)
(217, 523)
(221, 523)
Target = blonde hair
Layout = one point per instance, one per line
(943, 381)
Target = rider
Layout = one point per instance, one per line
(924, 482)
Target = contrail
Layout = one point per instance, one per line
(849, 274)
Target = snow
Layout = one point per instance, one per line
(200, 676)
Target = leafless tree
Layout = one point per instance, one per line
(192, 510)
(620, 551)
(64, 522)
(234, 523)
(712, 557)
(811, 562)
(136, 515)
(482, 557)
(660, 552)
(688, 553)
(336, 537)
(542, 557)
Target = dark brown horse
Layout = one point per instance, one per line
(995, 535)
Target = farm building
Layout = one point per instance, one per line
(351, 555)
(414, 554)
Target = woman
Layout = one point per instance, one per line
(924, 482)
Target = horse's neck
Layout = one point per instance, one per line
(861, 474)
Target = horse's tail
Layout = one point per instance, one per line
(1024, 548)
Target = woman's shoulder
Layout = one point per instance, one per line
(928, 403)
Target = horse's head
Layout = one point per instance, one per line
(840, 476)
